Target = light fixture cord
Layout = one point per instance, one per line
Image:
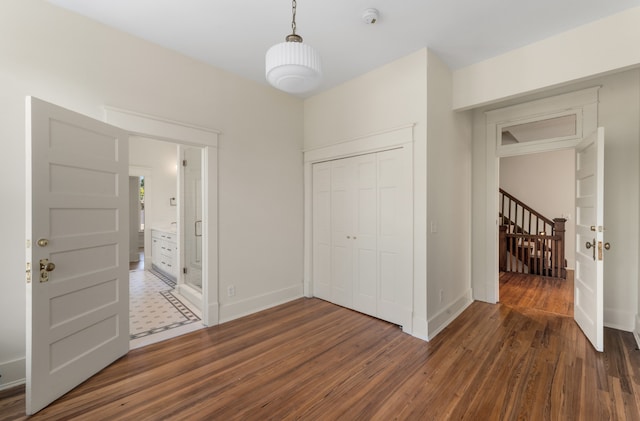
(294, 4)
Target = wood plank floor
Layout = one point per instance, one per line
(553, 295)
(312, 360)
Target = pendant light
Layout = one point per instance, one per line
(293, 66)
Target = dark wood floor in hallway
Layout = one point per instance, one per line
(312, 360)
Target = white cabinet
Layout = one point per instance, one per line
(164, 256)
(362, 234)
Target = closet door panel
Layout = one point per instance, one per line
(365, 235)
(395, 219)
(342, 215)
(322, 230)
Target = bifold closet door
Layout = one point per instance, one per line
(362, 224)
(395, 236)
(321, 214)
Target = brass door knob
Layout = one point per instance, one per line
(49, 266)
(588, 245)
(607, 246)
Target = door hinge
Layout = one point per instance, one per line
(184, 270)
(28, 272)
(184, 162)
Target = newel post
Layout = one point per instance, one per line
(559, 230)
(502, 257)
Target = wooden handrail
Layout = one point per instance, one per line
(525, 206)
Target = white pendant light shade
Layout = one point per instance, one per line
(293, 67)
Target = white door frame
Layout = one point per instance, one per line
(584, 103)
(143, 125)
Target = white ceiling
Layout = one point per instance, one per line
(234, 35)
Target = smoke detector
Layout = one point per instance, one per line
(370, 16)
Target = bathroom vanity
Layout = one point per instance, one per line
(164, 256)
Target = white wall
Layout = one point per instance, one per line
(618, 112)
(81, 65)
(449, 201)
(607, 45)
(415, 89)
(546, 182)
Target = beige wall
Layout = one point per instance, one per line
(81, 65)
(546, 182)
(604, 46)
(449, 200)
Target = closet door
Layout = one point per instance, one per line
(322, 230)
(364, 231)
(362, 234)
(395, 239)
(342, 220)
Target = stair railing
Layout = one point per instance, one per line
(529, 241)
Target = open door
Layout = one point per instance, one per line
(77, 249)
(588, 301)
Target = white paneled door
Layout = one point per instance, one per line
(589, 303)
(362, 224)
(77, 250)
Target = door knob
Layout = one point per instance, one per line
(592, 245)
(607, 246)
(45, 267)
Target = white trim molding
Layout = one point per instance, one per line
(583, 102)
(12, 373)
(146, 125)
(441, 320)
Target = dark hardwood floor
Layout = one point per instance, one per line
(312, 360)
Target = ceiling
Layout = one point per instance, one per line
(235, 35)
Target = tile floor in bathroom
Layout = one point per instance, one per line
(156, 310)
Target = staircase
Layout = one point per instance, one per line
(529, 241)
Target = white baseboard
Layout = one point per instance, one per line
(212, 317)
(448, 314)
(13, 373)
(420, 328)
(620, 320)
(636, 331)
(237, 309)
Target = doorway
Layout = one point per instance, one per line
(158, 310)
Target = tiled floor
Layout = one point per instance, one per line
(156, 311)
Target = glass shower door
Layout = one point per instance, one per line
(193, 217)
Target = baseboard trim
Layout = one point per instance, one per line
(420, 329)
(441, 320)
(237, 309)
(616, 319)
(13, 373)
(636, 331)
